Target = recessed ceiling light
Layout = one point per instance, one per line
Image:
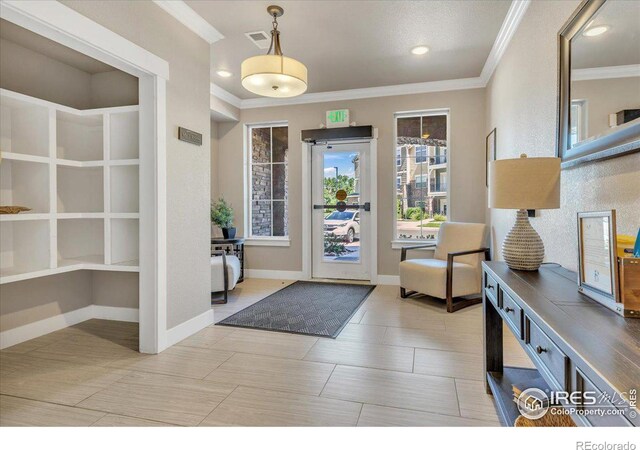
(420, 50)
(596, 31)
(224, 73)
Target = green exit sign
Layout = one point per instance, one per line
(338, 118)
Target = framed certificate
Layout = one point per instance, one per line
(597, 260)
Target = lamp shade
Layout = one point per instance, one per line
(274, 76)
(524, 183)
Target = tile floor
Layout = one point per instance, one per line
(397, 363)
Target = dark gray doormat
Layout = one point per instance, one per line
(304, 307)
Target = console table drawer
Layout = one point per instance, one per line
(547, 353)
(513, 314)
(584, 385)
(491, 289)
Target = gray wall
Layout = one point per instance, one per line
(28, 301)
(31, 73)
(467, 165)
(188, 166)
(113, 88)
(521, 104)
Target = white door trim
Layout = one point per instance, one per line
(307, 254)
(62, 24)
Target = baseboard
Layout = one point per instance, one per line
(274, 274)
(188, 328)
(393, 280)
(115, 313)
(33, 330)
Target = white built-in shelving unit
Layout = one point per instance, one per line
(78, 171)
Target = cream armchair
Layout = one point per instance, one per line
(455, 269)
(225, 273)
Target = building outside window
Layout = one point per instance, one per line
(268, 175)
(421, 174)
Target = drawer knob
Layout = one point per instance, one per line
(540, 350)
(507, 309)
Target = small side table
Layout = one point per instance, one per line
(233, 246)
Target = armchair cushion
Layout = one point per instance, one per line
(429, 276)
(456, 237)
(217, 274)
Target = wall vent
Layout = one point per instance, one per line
(260, 38)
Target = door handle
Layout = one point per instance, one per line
(366, 206)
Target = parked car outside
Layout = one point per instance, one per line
(345, 224)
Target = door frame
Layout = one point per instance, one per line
(307, 254)
(64, 25)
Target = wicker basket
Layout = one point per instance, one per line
(548, 420)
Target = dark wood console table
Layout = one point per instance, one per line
(576, 344)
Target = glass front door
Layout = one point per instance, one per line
(341, 216)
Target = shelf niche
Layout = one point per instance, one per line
(124, 189)
(80, 189)
(24, 183)
(24, 127)
(79, 138)
(124, 136)
(80, 241)
(24, 247)
(124, 242)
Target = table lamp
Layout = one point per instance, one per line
(524, 183)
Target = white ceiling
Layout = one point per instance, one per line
(25, 38)
(359, 44)
(619, 46)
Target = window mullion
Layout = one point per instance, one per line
(271, 168)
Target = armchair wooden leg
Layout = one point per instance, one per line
(403, 293)
(219, 301)
(461, 303)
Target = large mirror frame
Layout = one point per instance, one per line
(617, 143)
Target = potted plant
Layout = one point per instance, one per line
(222, 216)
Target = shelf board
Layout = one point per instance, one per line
(25, 157)
(501, 385)
(24, 216)
(124, 215)
(74, 163)
(13, 274)
(124, 162)
(91, 215)
(88, 259)
(133, 263)
(69, 265)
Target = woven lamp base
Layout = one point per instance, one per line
(523, 249)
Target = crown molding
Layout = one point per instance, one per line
(599, 73)
(507, 30)
(225, 95)
(354, 94)
(191, 19)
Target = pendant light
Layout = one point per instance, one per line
(274, 75)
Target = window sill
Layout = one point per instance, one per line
(398, 244)
(267, 242)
